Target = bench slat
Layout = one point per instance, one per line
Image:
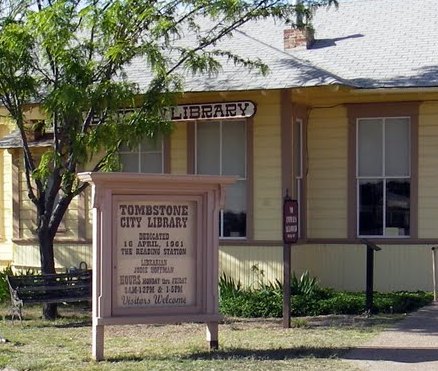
(51, 288)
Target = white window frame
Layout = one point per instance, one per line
(139, 153)
(299, 176)
(384, 178)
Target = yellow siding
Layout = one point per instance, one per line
(28, 256)
(87, 222)
(428, 171)
(267, 169)
(6, 222)
(178, 147)
(27, 212)
(397, 267)
(336, 266)
(327, 173)
(6, 192)
(245, 264)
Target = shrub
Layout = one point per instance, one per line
(265, 301)
(342, 303)
(306, 285)
(4, 290)
(228, 286)
(401, 301)
(308, 299)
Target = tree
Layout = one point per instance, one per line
(69, 57)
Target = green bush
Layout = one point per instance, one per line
(401, 301)
(342, 303)
(308, 299)
(306, 285)
(4, 290)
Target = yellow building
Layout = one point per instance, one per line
(348, 125)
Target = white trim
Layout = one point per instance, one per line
(299, 122)
(139, 154)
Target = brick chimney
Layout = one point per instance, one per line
(302, 34)
(298, 38)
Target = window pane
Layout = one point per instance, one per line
(370, 207)
(151, 145)
(221, 149)
(146, 157)
(397, 147)
(208, 148)
(398, 207)
(233, 153)
(370, 149)
(151, 163)
(124, 148)
(235, 199)
(129, 162)
(234, 213)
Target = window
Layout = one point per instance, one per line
(383, 176)
(146, 158)
(221, 150)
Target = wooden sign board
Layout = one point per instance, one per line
(155, 250)
(290, 221)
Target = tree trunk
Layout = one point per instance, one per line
(50, 310)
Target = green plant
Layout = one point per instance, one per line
(4, 290)
(401, 301)
(228, 286)
(342, 303)
(300, 323)
(308, 299)
(305, 285)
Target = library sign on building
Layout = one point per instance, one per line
(155, 250)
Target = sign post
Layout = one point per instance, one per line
(290, 236)
(155, 251)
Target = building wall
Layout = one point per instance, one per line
(6, 192)
(398, 266)
(267, 168)
(327, 136)
(327, 253)
(428, 171)
(27, 256)
(249, 264)
(343, 266)
(178, 149)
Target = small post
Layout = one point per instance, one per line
(290, 236)
(369, 280)
(286, 286)
(434, 272)
(97, 342)
(371, 247)
(212, 335)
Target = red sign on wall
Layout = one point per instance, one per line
(290, 221)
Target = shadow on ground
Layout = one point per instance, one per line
(401, 355)
(258, 354)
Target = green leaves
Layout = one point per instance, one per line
(103, 73)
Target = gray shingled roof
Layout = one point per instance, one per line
(363, 44)
(379, 43)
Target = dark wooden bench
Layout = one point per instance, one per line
(73, 286)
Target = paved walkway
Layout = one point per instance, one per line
(412, 344)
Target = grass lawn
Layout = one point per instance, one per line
(315, 343)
